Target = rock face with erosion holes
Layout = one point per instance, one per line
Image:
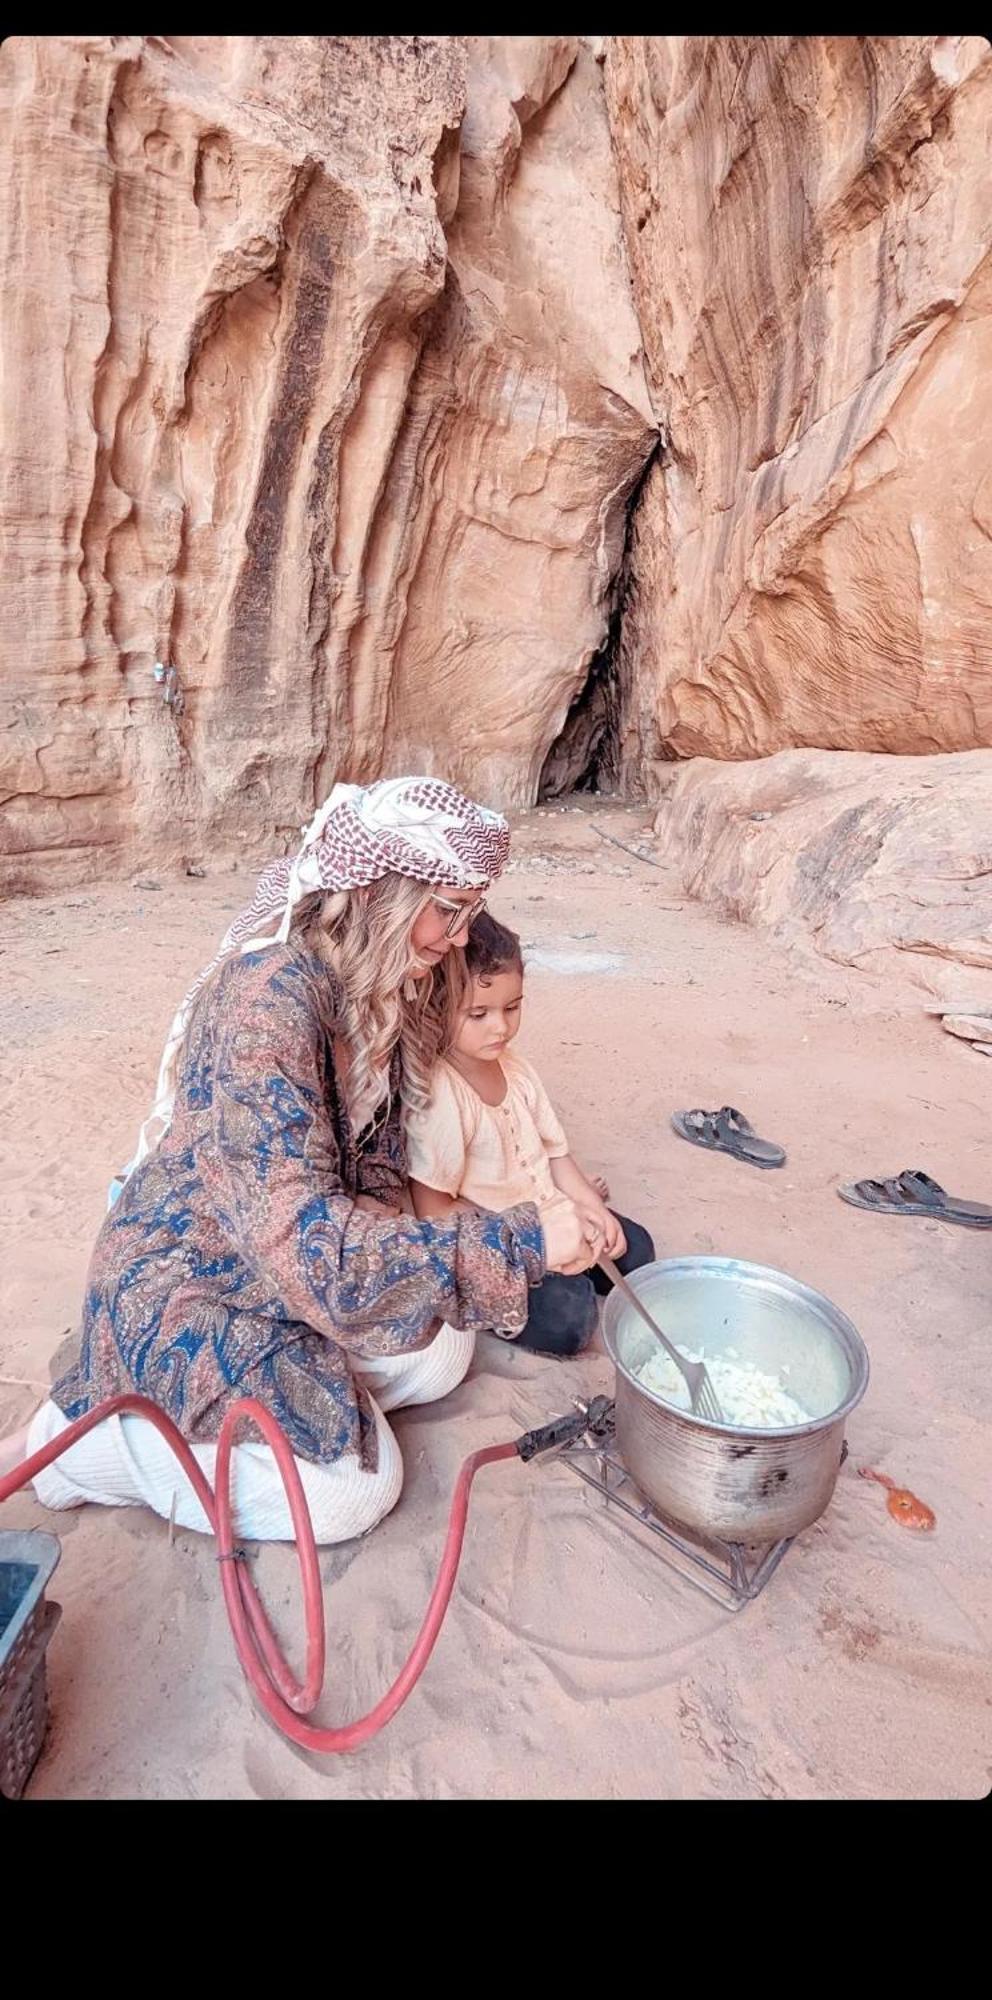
(323, 398)
(530, 409)
(809, 226)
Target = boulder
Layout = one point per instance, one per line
(880, 862)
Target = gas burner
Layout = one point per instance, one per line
(731, 1573)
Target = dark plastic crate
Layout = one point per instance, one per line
(27, 1621)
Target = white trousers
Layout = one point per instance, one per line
(125, 1461)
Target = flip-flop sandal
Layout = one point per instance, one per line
(914, 1193)
(727, 1131)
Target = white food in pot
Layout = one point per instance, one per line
(749, 1398)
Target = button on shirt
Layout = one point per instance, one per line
(492, 1154)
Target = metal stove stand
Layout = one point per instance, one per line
(731, 1573)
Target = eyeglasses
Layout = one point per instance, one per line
(458, 914)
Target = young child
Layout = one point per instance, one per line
(490, 1138)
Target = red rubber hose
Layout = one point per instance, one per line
(286, 1700)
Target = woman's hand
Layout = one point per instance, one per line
(571, 1240)
(615, 1243)
(604, 1229)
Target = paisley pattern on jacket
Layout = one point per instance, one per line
(235, 1262)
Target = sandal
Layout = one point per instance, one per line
(914, 1193)
(727, 1131)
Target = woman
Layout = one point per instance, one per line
(258, 1247)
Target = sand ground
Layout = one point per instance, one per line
(572, 1664)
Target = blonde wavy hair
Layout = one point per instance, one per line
(367, 944)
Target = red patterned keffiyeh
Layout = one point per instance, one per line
(419, 827)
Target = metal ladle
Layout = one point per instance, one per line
(702, 1395)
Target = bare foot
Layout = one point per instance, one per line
(601, 1187)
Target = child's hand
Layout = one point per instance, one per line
(612, 1239)
(616, 1241)
(601, 1186)
(567, 1247)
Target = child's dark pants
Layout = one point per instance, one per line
(563, 1313)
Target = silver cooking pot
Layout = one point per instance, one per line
(732, 1484)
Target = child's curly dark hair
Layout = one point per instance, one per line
(492, 949)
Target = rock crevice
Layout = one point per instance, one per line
(587, 756)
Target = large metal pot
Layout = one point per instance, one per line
(736, 1485)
